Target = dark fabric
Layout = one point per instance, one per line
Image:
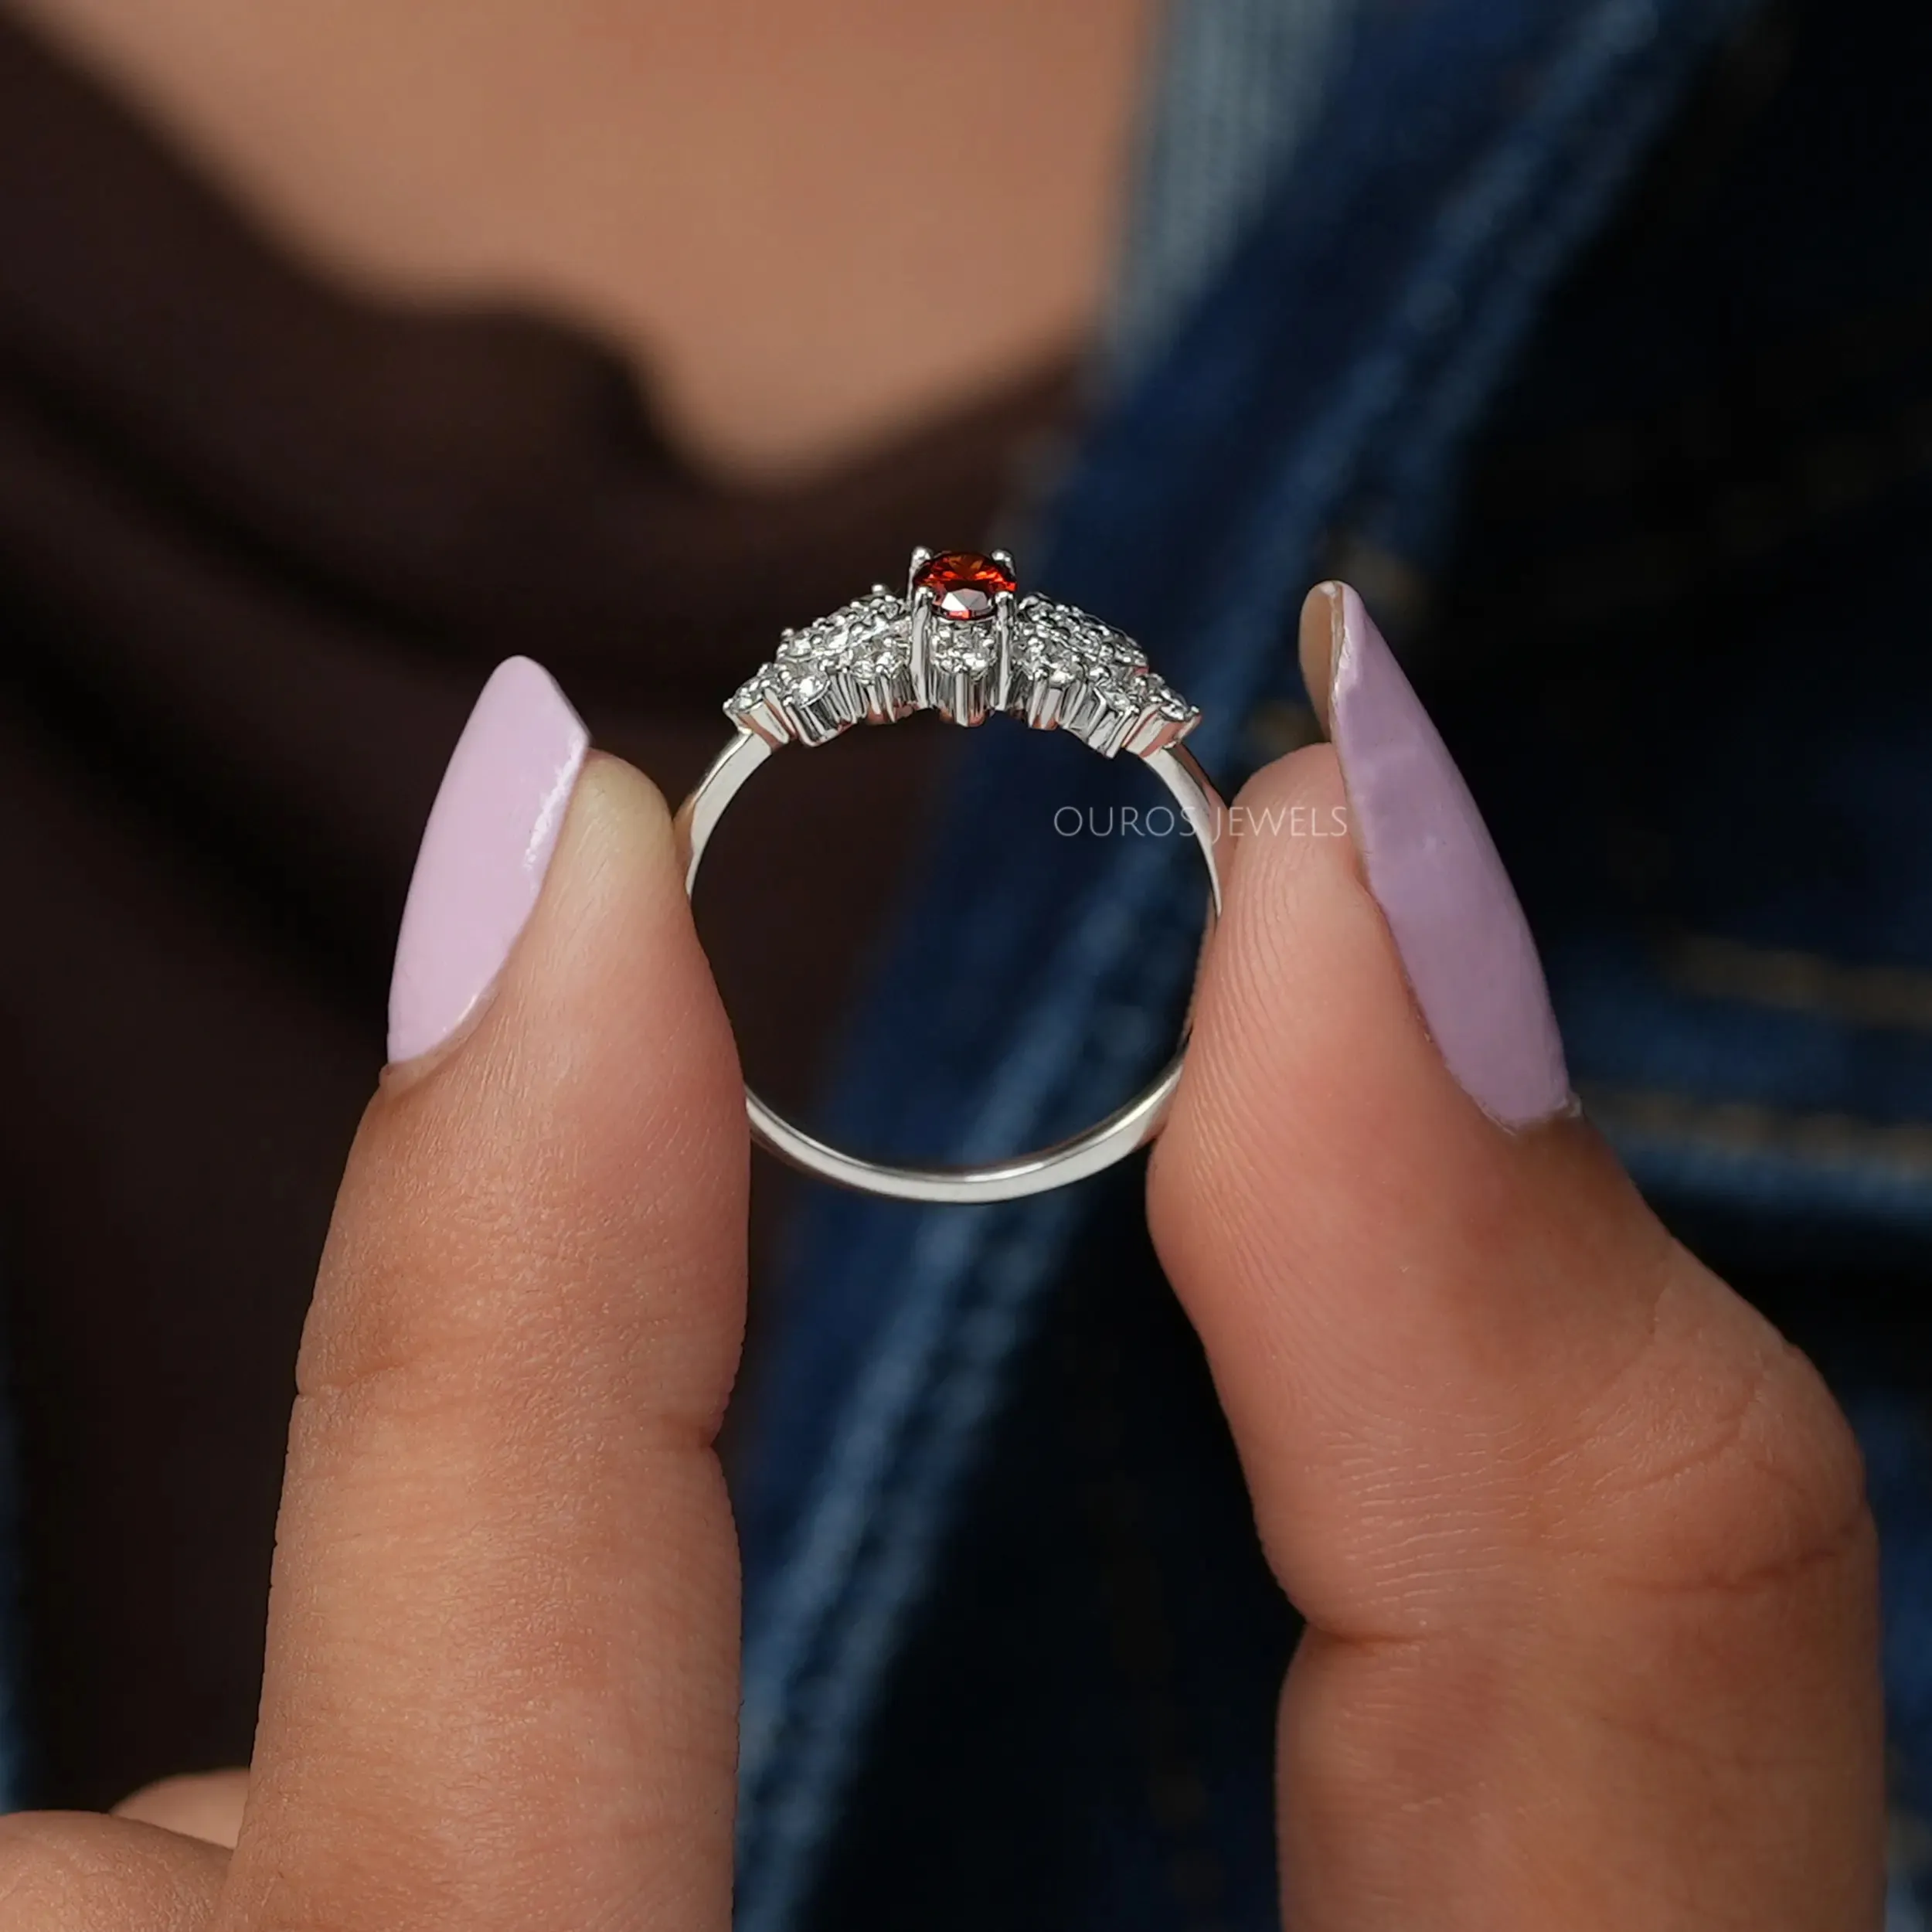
(259, 542)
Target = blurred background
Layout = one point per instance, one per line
(346, 350)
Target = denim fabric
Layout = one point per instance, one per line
(982, 1678)
(1241, 83)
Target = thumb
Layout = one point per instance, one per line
(1580, 1540)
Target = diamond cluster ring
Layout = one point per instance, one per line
(963, 641)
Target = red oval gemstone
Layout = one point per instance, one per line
(964, 583)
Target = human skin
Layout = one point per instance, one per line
(710, 184)
(1581, 1541)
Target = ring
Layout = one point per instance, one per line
(963, 641)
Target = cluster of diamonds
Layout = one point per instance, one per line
(1071, 672)
(1047, 663)
(854, 667)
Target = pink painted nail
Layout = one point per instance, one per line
(484, 852)
(1464, 943)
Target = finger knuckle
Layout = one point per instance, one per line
(1720, 1462)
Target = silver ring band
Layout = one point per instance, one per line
(881, 658)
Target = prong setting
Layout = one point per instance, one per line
(967, 645)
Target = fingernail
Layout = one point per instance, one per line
(1434, 871)
(484, 852)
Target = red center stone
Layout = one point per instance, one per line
(963, 584)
